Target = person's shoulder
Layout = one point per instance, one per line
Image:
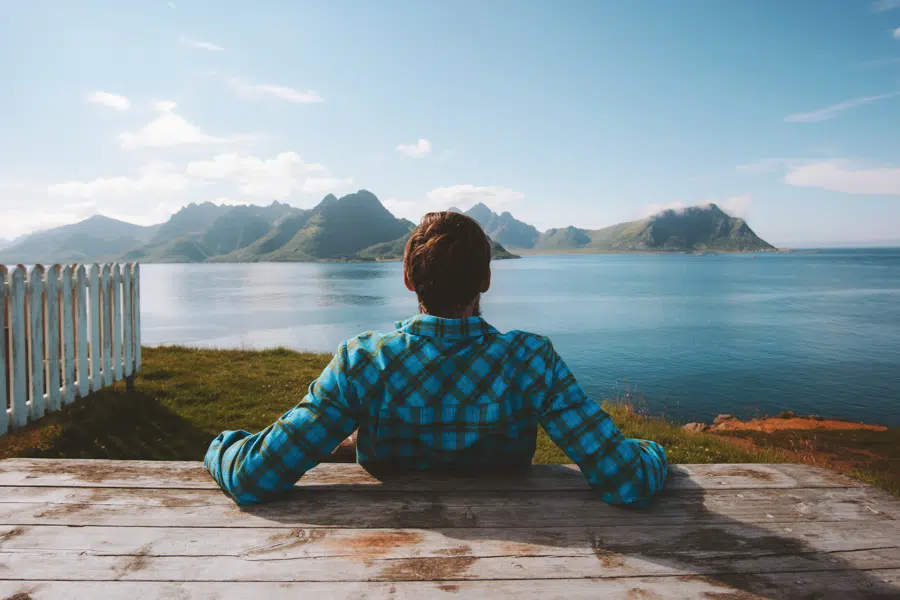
(369, 342)
(526, 340)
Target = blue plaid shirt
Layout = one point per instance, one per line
(440, 393)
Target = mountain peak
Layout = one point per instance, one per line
(482, 214)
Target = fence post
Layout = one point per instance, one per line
(127, 308)
(36, 322)
(116, 297)
(106, 324)
(4, 396)
(51, 335)
(137, 317)
(95, 343)
(19, 403)
(81, 332)
(68, 335)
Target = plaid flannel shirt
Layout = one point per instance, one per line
(440, 393)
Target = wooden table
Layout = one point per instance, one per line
(136, 530)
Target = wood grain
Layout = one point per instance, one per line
(178, 474)
(824, 585)
(361, 509)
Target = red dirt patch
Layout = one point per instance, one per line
(772, 424)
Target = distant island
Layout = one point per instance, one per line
(356, 227)
(693, 229)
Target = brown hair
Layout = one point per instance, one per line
(447, 261)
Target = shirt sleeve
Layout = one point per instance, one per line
(252, 468)
(625, 471)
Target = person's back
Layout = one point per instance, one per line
(445, 390)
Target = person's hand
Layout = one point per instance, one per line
(345, 452)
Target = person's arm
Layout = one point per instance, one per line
(623, 470)
(251, 468)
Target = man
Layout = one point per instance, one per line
(445, 390)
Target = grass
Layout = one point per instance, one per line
(185, 397)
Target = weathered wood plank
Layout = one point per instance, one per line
(106, 324)
(824, 586)
(52, 339)
(81, 331)
(128, 319)
(17, 334)
(116, 297)
(177, 474)
(96, 343)
(136, 284)
(36, 340)
(684, 542)
(70, 357)
(81, 567)
(311, 507)
(4, 364)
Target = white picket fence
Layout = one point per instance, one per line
(67, 332)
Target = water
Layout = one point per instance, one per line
(697, 335)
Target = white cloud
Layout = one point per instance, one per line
(654, 209)
(844, 176)
(152, 178)
(896, 33)
(737, 206)
(830, 112)
(416, 150)
(167, 130)
(885, 5)
(164, 105)
(201, 45)
(466, 195)
(277, 178)
(111, 100)
(256, 90)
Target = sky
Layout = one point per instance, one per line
(583, 113)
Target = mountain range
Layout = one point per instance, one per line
(697, 228)
(356, 227)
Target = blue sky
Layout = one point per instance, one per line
(584, 113)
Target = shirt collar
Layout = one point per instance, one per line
(453, 329)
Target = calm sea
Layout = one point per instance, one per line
(696, 335)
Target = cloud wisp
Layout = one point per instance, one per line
(276, 178)
(467, 195)
(846, 177)
(830, 112)
(250, 90)
(192, 43)
(167, 130)
(157, 177)
(109, 100)
(885, 5)
(417, 149)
